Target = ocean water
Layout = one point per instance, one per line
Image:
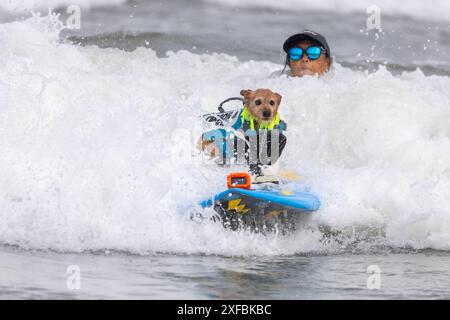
(99, 168)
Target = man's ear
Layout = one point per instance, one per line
(278, 97)
(246, 94)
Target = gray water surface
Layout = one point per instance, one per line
(44, 275)
(257, 33)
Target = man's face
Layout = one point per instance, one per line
(306, 66)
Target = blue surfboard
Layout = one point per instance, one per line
(283, 198)
(261, 210)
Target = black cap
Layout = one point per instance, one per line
(293, 41)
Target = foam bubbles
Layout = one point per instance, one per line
(440, 10)
(30, 5)
(89, 159)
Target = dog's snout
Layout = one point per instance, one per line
(266, 113)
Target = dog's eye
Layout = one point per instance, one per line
(258, 102)
(272, 103)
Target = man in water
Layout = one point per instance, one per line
(308, 53)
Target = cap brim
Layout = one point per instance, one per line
(293, 41)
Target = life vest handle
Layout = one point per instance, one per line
(220, 107)
(241, 180)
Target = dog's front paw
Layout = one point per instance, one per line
(209, 148)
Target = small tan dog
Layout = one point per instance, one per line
(260, 112)
(262, 105)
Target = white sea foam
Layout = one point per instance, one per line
(439, 10)
(89, 159)
(30, 5)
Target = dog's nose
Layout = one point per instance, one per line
(266, 114)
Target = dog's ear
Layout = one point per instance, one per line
(278, 97)
(246, 94)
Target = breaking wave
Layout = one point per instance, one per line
(97, 150)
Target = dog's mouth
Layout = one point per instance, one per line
(265, 120)
(266, 115)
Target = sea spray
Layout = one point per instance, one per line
(87, 150)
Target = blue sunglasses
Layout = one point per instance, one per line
(312, 52)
